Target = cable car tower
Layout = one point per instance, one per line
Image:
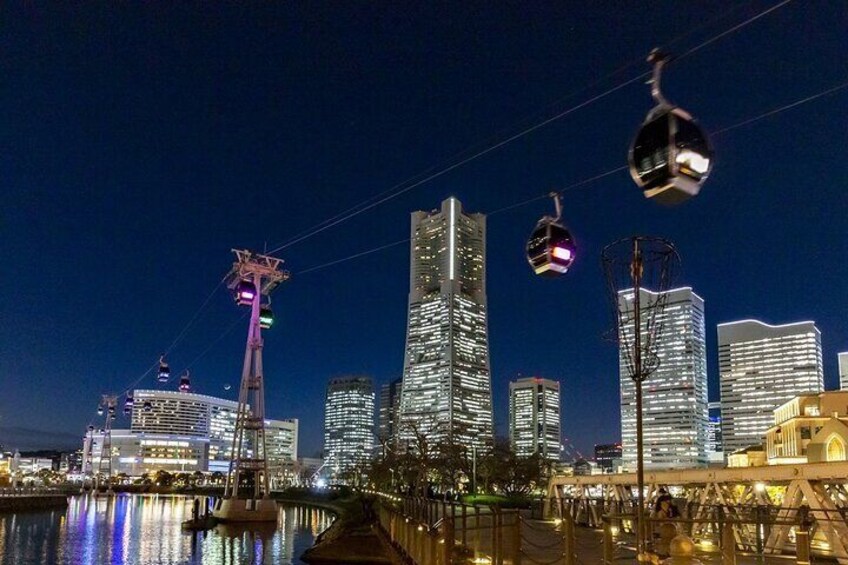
(251, 277)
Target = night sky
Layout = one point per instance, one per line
(140, 143)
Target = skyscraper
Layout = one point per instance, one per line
(348, 424)
(760, 368)
(534, 417)
(674, 397)
(843, 370)
(446, 378)
(389, 411)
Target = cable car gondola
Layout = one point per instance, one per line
(245, 293)
(185, 382)
(147, 406)
(164, 371)
(99, 409)
(671, 156)
(551, 249)
(266, 317)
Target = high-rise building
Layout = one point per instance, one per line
(534, 417)
(608, 457)
(348, 424)
(447, 392)
(389, 411)
(760, 368)
(715, 449)
(674, 397)
(188, 414)
(843, 370)
(281, 442)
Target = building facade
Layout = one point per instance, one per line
(715, 448)
(447, 392)
(608, 457)
(348, 425)
(760, 368)
(190, 415)
(182, 432)
(534, 417)
(810, 428)
(389, 411)
(674, 397)
(843, 370)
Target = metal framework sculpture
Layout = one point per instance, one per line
(631, 264)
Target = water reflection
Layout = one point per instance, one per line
(146, 530)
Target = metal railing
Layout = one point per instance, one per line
(428, 531)
(29, 491)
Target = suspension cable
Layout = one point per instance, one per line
(594, 178)
(436, 171)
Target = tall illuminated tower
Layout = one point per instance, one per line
(348, 426)
(446, 393)
(760, 368)
(675, 410)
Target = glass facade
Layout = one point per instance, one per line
(843, 370)
(348, 425)
(446, 379)
(389, 410)
(760, 368)
(534, 417)
(674, 397)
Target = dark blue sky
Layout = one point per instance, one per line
(140, 143)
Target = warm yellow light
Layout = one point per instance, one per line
(706, 542)
(760, 487)
(557, 521)
(482, 560)
(614, 530)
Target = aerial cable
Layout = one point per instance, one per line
(594, 178)
(182, 333)
(193, 319)
(405, 186)
(214, 342)
(354, 256)
(732, 127)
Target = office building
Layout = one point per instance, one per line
(348, 426)
(534, 417)
(843, 370)
(760, 368)
(447, 391)
(675, 395)
(281, 443)
(389, 412)
(608, 457)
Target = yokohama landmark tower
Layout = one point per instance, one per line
(447, 394)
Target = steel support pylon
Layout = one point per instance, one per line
(248, 457)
